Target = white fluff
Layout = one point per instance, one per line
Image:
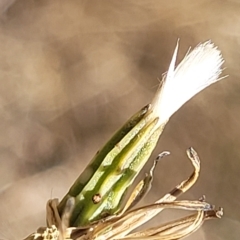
(200, 68)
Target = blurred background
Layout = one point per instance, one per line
(72, 72)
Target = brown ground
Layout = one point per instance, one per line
(73, 71)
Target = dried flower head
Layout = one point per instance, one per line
(96, 207)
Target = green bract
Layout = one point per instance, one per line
(100, 189)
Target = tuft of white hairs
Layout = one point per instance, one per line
(199, 68)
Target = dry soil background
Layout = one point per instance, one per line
(72, 72)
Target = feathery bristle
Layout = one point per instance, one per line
(200, 68)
